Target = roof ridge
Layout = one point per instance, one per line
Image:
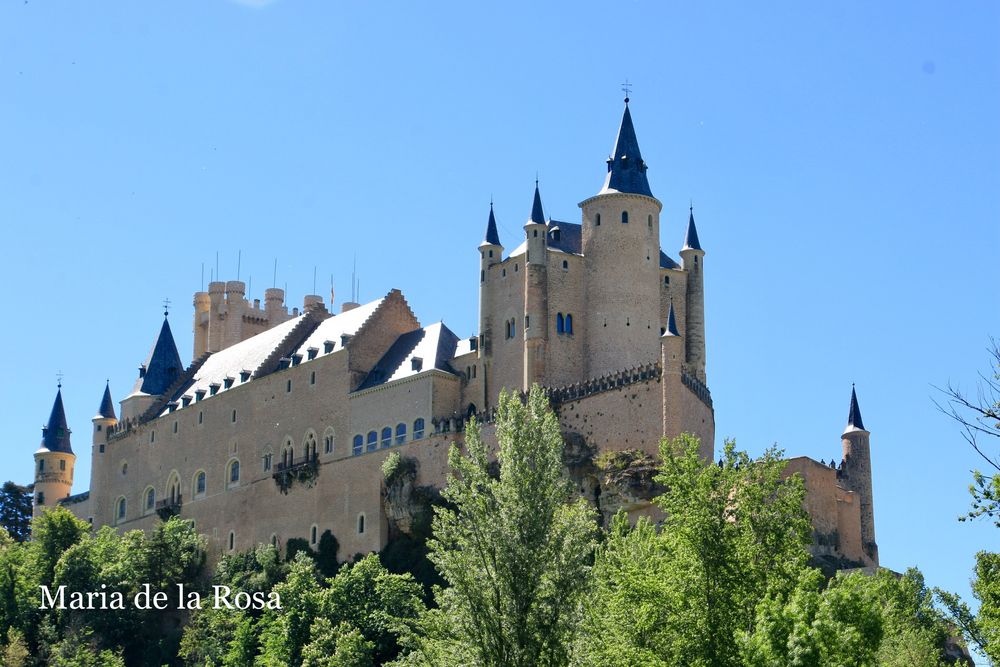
(293, 339)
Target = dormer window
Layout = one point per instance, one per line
(327, 346)
(283, 363)
(214, 388)
(345, 339)
(312, 351)
(417, 363)
(244, 375)
(185, 400)
(296, 359)
(199, 394)
(228, 382)
(142, 371)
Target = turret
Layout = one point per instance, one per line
(54, 460)
(536, 311)
(217, 313)
(202, 322)
(693, 260)
(274, 308)
(621, 232)
(490, 253)
(672, 361)
(161, 370)
(857, 475)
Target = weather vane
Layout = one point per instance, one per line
(166, 307)
(627, 89)
(59, 377)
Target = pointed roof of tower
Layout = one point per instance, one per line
(626, 168)
(671, 322)
(537, 215)
(492, 236)
(107, 409)
(691, 237)
(55, 435)
(854, 422)
(163, 365)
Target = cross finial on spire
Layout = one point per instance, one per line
(166, 307)
(627, 89)
(59, 377)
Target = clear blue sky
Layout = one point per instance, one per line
(844, 162)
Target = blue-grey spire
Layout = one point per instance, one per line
(671, 322)
(691, 237)
(854, 416)
(537, 215)
(492, 236)
(55, 435)
(163, 366)
(626, 168)
(107, 409)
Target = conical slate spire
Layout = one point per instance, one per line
(163, 365)
(691, 237)
(492, 236)
(55, 436)
(537, 215)
(854, 422)
(671, 322)
(626, 168)
(107, 409)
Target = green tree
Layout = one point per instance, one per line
(15, 510)
(733, 533)
(286, 632)
(982, 630)
(342, 645)
(515, 550)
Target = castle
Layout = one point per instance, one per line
(279, 426)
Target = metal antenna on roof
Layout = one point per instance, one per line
(314, 278)
(274, 277)
(216, 264)
(239, 262)
(203, 276)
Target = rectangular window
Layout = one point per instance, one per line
(288, 387)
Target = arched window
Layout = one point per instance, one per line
(418, 428)
(666, 280)
(328, 441)
(267, 460)
(513, 327)
(559, 323)
(358, 445)
(361, 524)
(565, 265)
(471, 411)
(287, 453)
(41, 465)
(234, 472)
(232, 540)
(372, 441)
(150, 499)
(649, 221)
(124, 468)
(120, 510)
(312, 535)
(597, 220)
(386, 437)
(274, 540)
(199, 484)
(310, 445)
(400, 433)
(624, 217)
(174, 488)
(569, 323)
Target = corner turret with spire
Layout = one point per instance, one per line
(54, 459)
(162, 368)
(856, 473)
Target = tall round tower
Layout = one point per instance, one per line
(693, 260)
(857, 473)
(490, 253)
(54, 460)
(621, 244)
(536, 303)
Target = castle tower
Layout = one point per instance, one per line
(490, 253)
(202, 322)
(161, 370)
(54, 460)
(536, 307)
(672, 362)
(857, 473)
(103, 422)
(621, 243)
(693, 260)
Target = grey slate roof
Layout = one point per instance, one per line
(667, 263)
(537, 215)
(626, 168)
(691, 237)
(107, 409)
(569, 237)
(251, 353)
(434, 345)
(162, 367)
(671, 322)
(854, 422)
(55, 435)
(492, 236)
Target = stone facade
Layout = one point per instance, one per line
(279, 426)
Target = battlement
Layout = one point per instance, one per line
(697, 387)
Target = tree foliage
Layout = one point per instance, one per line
(514, 549)
(15, 511)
